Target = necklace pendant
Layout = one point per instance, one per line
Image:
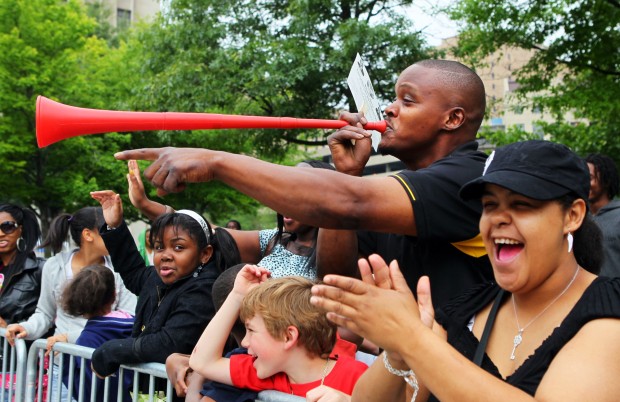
(516, 342)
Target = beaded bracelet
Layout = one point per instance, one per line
(408, 376)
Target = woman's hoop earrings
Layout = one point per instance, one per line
(569, 238)
(21, 244)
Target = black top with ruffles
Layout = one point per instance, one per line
(600, 300)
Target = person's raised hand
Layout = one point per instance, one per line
(380, 276)
(137, 194)
(350, 146)
(112, 206)
(248, 277)
(172, 168)
(372, 310)
(425, 302)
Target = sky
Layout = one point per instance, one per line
(433, 25)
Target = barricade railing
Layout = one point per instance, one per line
(13, 369)
(276, 396)
(25, 369)
(36, 371)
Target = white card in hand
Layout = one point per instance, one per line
(364, 95)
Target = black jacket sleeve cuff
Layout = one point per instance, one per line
(108, 357)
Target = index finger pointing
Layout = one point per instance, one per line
(144, 154)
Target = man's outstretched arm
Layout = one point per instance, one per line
(317, 197)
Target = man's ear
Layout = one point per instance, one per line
(291, 337)
(456, 118)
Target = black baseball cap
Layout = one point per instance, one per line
(541, 170)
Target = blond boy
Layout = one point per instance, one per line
(288, 339)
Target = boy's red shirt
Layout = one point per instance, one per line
(343, 377)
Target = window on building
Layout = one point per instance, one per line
(512, 85)
(123, 18)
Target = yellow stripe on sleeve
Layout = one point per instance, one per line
(406, 186)
(473, 247)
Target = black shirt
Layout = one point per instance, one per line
(600, 300)
(448, 247)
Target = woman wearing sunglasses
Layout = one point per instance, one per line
(20, 269)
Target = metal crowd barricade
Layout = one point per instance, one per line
(36, 371)
(13, 369)
(24, 370)
(276, 396)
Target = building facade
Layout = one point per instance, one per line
(123, 13)
(504, 109)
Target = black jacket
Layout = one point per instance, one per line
(20, 290)
(169, 319)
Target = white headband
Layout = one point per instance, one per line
(199, 219)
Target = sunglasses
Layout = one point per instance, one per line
(8, 227)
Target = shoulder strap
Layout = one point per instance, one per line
(487, 329)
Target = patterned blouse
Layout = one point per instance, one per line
(280, 261)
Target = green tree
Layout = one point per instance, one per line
(267, 57)
(576, 65)
(47, 48)
(273, 58)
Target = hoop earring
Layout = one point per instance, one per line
(569, 238)
(21, 244)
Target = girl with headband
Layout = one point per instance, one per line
(175, 302)
(288, 250)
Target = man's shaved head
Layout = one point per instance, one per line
(467, 87)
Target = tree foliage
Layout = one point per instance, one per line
(47, 48)
(273, 58)
(269, 57)
(576, 66)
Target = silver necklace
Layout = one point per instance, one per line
(519, 336)
(325, 369)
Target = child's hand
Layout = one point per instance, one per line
(137, 194)
(51, 341)
(249, 277)
(112, 206)
(323, 393)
